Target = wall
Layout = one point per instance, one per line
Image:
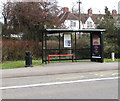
(68, 24)
(82, 25)
(92, 25)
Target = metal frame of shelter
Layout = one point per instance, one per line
(96, 43)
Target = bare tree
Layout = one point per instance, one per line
(29, 17)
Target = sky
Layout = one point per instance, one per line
(97, 6)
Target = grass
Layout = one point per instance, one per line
(17, 64)
(110, 60)
(21, 64)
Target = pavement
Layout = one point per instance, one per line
(58, 68)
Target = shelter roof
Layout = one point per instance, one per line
(73, 30)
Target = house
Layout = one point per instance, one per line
(87, 21)
(68, 19)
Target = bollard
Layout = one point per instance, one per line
(28, 59)
(113, 56)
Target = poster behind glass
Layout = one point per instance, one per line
(96, 45)
(67, 40)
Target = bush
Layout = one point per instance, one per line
(15, 50)
(109, 48)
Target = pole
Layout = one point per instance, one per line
(79, 13)
(113, 56)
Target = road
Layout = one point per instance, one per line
(89, 85)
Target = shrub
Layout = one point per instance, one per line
(109, 48)
(15, 50)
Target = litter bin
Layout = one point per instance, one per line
(28, 59)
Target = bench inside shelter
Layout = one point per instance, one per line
(71, 55)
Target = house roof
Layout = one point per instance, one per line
(72, 16)
(84, 17)
(94, 17)
(63, 17)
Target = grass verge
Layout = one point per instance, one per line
(110, 60)
(21, 64)
(17, 64)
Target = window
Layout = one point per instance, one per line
(89, 24)
(73, 24)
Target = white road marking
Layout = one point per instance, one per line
(57, 83)
(70, 77)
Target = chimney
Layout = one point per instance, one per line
(65, 9)
(114, 12)
(90, 11)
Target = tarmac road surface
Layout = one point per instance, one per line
(89, 85)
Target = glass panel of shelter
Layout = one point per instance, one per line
(80, 44)
(55, 45)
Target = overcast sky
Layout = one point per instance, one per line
(98, 6)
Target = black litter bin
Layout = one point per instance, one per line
(28, 59)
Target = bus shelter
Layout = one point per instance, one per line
(59, 43)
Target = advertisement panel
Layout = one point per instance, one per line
(96, 46)
(67, 40)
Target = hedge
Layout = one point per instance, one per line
(15, 50)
